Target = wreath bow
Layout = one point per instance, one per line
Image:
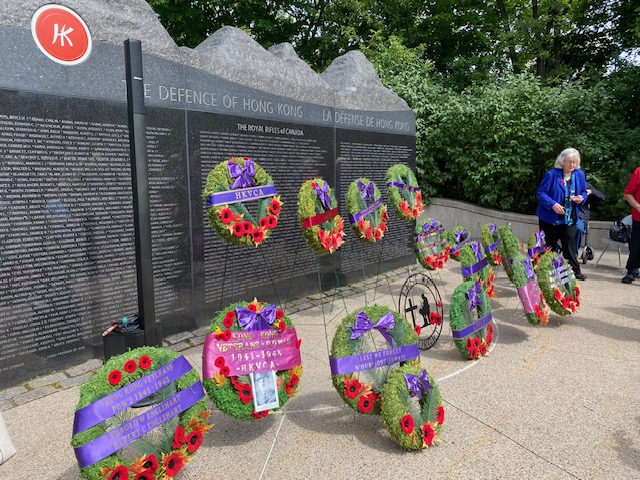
(432, 225)
(261, 320)
(417, 383)
(492, 228)
(477, 250)
(367, 190)
(527, 267)
(460, 235)
(474, 296)
(363, 324)
(540, 239)
(323, 194)
(243, 175)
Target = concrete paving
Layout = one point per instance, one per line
(554, 402)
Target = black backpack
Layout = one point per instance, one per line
(620, 232)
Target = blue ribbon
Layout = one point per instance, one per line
(261, 320)
(243, 175)
(367, 190)
(363, 324)
(323, 194)
(416, 384)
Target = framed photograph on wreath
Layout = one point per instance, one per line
(265, 391)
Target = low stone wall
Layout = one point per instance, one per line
(454, 212)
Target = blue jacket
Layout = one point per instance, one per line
(551, 191)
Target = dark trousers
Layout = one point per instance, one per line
(567, 236)
(634, 248)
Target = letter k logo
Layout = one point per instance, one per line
(63, 34)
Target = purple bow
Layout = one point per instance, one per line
(460, 235)
(432, 225)
(323, 194)
(416, 384)
(540, 239)
(492, 228)
(527, 267)
(557, 262)
(243, 175)
(477, 250)
(474, 296)
(363, 324)
(367, 190)
(261, 320)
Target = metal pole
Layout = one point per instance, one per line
(140, 183)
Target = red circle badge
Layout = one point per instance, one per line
(61, 34)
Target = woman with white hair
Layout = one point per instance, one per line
(562, 190)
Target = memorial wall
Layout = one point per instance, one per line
(67, 259)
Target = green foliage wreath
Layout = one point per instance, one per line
(163, 451)
(361, 390)
(430, 244)
(412, 414)
(367, 215)
(322, 227)
(404, 193)
(472, 258)
(457, 236)
(490, 240)
(232, 219)
(558, 284)
(463, 313)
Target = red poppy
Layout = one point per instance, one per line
(279, 314)
(299, 343)
(119, 473)
(224, 371)
(173, 464)
(227, 322)
(144, 475)
(438, 415)
(576, 289)
(150, 463)
(293, 382)
(115, 377)
(385, 216)
(219, 362)
(490, 327)
(377, 234)
(252, 307)
(314, 185)
(226, 335)
(483, 349)
(226, 215)
(281, 326)
(145, 362)
(383, 227)
(417, 329)
(194, 440)
(258, 235)
(130, 366)
(352, 387)
(178, 437)
(263, 222)
(244, 392)
(238, 229)
(435, 318)
(274, 207)
(258, 415)
(272, 221)
(439, 304)
(366, 402)
(406, 423)
(247, 227)
(428, 433)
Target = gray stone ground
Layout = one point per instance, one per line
(553, 402)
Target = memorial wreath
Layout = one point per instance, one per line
(430, 244)
(404, 193)
(470, 318)
(322, 227)
(412, 408)
(475, 267)
(367, 214)
(165, 436)
(558, 284)
(244, 339)
(229, 186)
(359, 369)
(490, 240)
(457, 237)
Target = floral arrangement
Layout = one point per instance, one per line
(490, 241)
(457, 237)
(475, 267)
(367, 214)
(404, 193)
(249, 338)
(471, 321)
(430, 244)
(229, 187)
(558, 284)
(536, 245)
(359, 368)
(166, 437)
(322, 227)
(412, 409)
(521, 274)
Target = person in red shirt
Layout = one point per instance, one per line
(632, 196)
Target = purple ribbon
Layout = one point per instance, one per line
(528, 268)
(432, 225)
(367, 190)
(240, 195)
(529, 296)
(492, 228)
(243, 175)
(261, 320)
(492, 247)
(363, 324)
(539, 246)
(475, 268)
(557, 262)
(474, 295)
(477, 251)
(403, 186)
(323, 194)
(416, 384)
(120, 400)
(472, 328)
(371, 360)
(120, 437)
(367, 211)
(460, 235)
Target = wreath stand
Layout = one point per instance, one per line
(7, 450)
